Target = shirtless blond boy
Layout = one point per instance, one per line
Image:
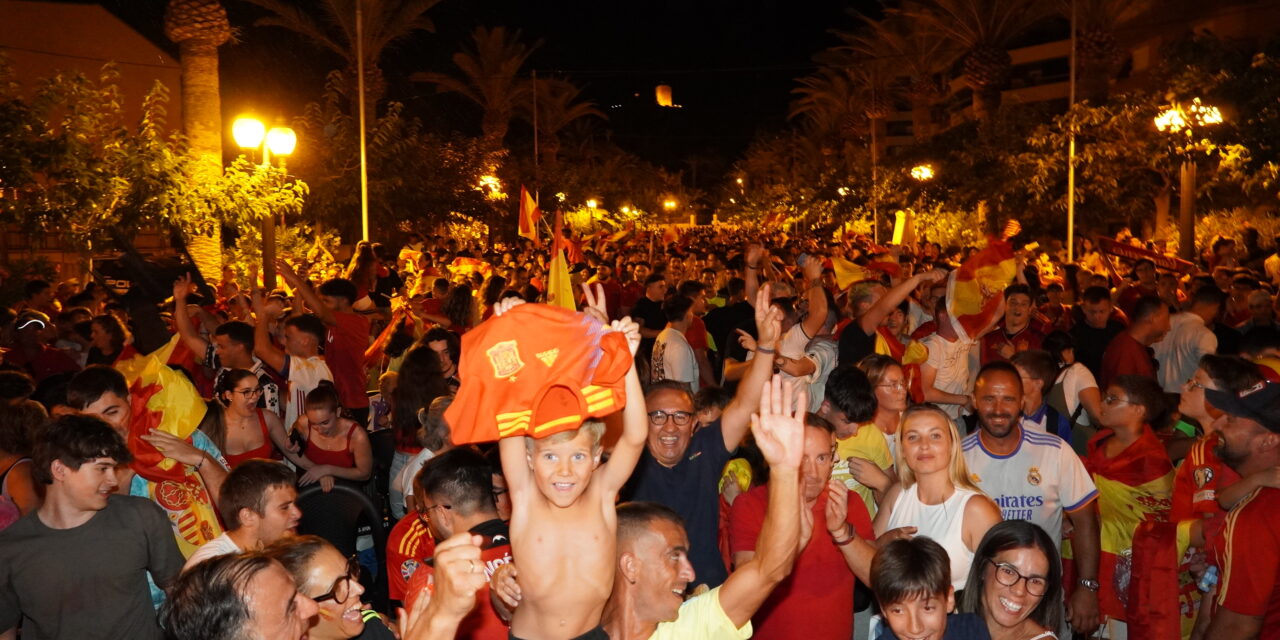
(563, 521)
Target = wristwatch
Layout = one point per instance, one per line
(1092, 585)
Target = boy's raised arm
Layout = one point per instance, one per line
(635, 420)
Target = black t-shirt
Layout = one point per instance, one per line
(855, 345)
(691, 489)
(649, 314)
(89, 581)
(722, 322)
(960, 626)
(1091, 343)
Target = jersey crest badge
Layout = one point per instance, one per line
(505, 358)
(1203, 476)
(1033, 476)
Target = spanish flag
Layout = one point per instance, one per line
(848, 273)
(911, 355)
(163, 399)
(976, 289)
(1134, 487)
(559, 286)
(529, 215)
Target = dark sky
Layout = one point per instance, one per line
(731, 63)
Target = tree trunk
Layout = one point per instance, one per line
(986, 102)
(202, 123)
(1162, 202)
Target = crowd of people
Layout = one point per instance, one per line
(787, 436)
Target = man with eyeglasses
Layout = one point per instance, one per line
(1035, 476)
(680, 468)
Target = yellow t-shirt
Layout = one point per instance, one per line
(869, 444)
(701, 617)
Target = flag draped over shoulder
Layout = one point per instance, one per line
(163, 399)
(976, 289)
(911, 355)
(1133, 487)
(529, 215)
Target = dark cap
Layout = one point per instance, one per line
(1260, 403)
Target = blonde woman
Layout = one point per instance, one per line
(934, 495)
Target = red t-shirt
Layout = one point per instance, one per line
(696, 335)
(612, 298)
(1024, 340)
(818, 595)
(1250, 577)
(1126, 356)
(48, 362)
(483, 622)
(631, 293)
(1129, 297)
(344, 353)
(408, 547)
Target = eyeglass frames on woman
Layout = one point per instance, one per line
(248, 393)
(1008, 575)
(342, 586)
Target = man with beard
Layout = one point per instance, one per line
(1037, 477)
(1249, 591)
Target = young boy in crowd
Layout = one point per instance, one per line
(911, 579)
(563, 521)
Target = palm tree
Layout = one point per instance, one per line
(983, 29)
(1098, 53)
(915, 52)
(199, 27)
(827, 103)
(489, 78)
(333, 27)
(558, 105)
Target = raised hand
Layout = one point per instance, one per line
(631, 330)
(768, 319)
(459, 574)
(287, 273)
(506, 304)
(181, 289)
(778, 427)
(813, 268)
(754, 253)
(937, 275)
(595, 302)
(745, 339)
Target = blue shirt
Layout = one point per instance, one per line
(692, 489)
(960, 626)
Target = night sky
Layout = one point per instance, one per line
(731, 63)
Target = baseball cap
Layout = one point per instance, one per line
(1260, 403)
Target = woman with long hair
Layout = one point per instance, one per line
(19, 493)
(109, 339)
(934, 495)
(889, 383)
(235, 423)
(421, 381)
(460, 308)
(362, 271)
(1015, 583)
(492, 292)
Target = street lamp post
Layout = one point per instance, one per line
(251, 134)
(1185, 120)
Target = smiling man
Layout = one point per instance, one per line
(238, 597)
(680, 467)
(258, 504)
(77, 567)
(653, 567)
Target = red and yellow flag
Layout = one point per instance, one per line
(1134, 487)
(976, 289)
(163, 399)
(529, 215)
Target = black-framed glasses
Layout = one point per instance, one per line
(1008, 575)
(342, 586)
(248, 393)
(659, 418)
(498, 492)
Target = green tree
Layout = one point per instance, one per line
(558, 105)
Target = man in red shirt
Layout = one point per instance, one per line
(1015, 333)
(696, 334)
(1249, 588)
(612, 290)
(1130, 351)
(821, 581)
(1129, 294)
(31, 351)
(347, 340)
(634, 290)
(457, 496)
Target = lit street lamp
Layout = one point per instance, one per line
(251, 134)
(922, 172)
(1186, 120)
(669, 205)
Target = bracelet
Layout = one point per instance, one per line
(849, 536)
(760, 349)
(201, 463)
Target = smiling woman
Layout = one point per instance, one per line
(1015, 583)
(333, 582)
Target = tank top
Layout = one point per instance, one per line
(943, 523)
(265, 451)
(342, 458)
(9, 512)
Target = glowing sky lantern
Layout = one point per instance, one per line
(663, 93)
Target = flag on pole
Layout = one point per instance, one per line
(976, 289)
(529, 215)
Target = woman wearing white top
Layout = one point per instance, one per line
(934, 494)
(1079, 387)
